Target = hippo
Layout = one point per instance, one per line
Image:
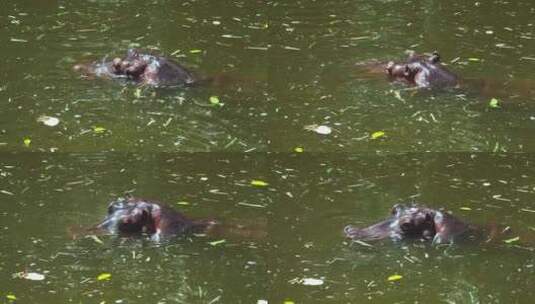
(132, 217)
(141, 68)
(418, 222)
(422, 71)
(136, 216)
(425, 71)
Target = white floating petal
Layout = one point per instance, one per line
(48, 120)
(312, 282)
(34, 276)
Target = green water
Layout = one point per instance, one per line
(293, 65)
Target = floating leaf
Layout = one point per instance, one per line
(214, 100)
(18, 40)
(288, 302)
(195, 51)
(473, 59)
(33, 276)
(104, 276)
(251, 205)
(98, 130)
(183, 203)
(259, 183)
(96, 239)
(137, 93)
(299, 149)
(512, 240)
(394, 277)
(312, 282)
(377, 134)
(11, 297)
(48, 120)
(219, 242)
(466, 208)
(323, 130)
(27, 141)
(494, 103)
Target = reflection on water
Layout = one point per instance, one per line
(307, 202)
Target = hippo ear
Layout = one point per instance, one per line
(430, 216)
(132, 53)
(434, 58)
(397, 209)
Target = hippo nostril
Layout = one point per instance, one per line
(350, 231)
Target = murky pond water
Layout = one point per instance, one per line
(292, 64)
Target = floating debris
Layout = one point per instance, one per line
(394, 277)
(259, 183)
(32, 276)
(219, 242)
(494, 103)
(48, 120)
(319, 129)
(312, 282)
(377, 134)
(104, 276)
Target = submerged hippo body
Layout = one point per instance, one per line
(416, 222)
(141, 68)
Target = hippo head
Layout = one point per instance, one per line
(414, 221)
(419, 70)
(405, 222)
(129, 216)
(400, 72)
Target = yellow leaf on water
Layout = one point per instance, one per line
(378, 134)
(137, 93)
(288, 302)
(195, 51)
(259, 183)
(494, 103)
(466, 208)
(299, 149)
(214, 100)
(394, 277)
(99, 130)
(104, 276)
(11, 297)
(27, 142)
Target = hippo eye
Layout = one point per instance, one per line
(405, 226)
(407, 71)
